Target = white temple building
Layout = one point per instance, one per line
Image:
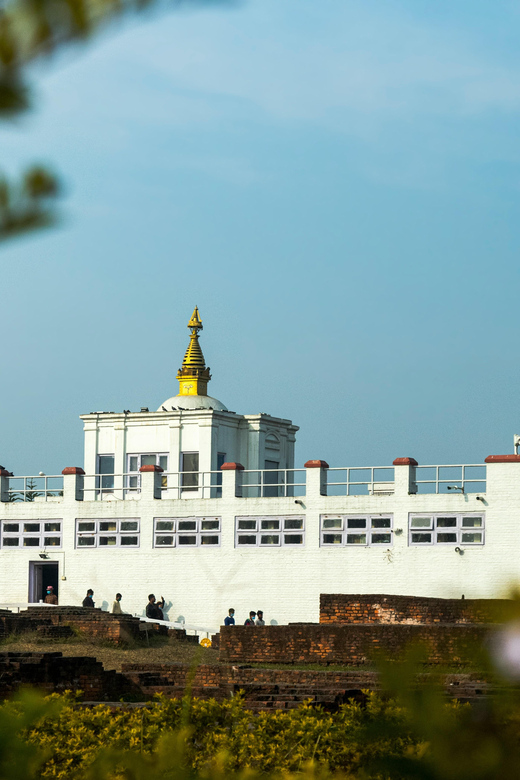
(207, 508)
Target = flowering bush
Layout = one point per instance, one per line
(410, 732)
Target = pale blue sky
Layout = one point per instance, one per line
(335, 183)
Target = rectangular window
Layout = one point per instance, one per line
(446, 529)
(108, 533)
(356, 530)
(267, 531)
(32, 533)
(187, 531)
(190, 470)
(105, 480)
(134, 463)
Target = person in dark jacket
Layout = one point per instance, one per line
(152, 610)
(160, 606)
(88, 601)
(251, 619)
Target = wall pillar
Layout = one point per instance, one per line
(4, 484)
(73, 483)
(232, 480)
(151, 482)
(316, 478)
(404, 476)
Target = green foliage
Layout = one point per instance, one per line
(210, 737)
(409, 732)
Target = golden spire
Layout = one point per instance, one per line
(194, 376)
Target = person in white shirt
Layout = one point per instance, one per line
(259, 618)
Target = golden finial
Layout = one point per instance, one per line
(194, 376)
(195, 321)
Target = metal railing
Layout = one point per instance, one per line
(191, 484)
(273, 483)
(36, 488)
(16, 606)
(451, 479)
(179, 626)
(360, 481)
(107, 487)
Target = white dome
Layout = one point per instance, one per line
(182, 402)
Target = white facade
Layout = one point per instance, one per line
(248, 439)
(201, 581)
(153, 511)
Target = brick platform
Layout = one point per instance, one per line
(349, 645)
(383, 608)
(58, 622)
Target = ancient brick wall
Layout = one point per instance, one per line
(262, 688)
(285, 688)
(351, 645)
(62, 621)
(54, 672)
(381, 608)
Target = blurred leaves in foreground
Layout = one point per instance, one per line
(31, 30)
(27, 204)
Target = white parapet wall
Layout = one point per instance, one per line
(459, 543)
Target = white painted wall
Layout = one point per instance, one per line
(241, 437)
(202, 583)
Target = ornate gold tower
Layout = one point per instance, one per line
(194, 376)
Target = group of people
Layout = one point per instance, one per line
(154, 609)
(254, 619)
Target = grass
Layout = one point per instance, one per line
(162, 650)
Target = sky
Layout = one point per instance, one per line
(335, 184)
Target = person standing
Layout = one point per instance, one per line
(51, 597)
(160, 607)
(88, 601)
(259, 618)
(151, 608)
(229, 620)
(116, 606)
(250, 620)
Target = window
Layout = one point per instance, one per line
(269, 531)
(361, 530)
(134, 463)
(446, 529)
(107, 533)
(187, 531)
(190, 470)
(105, 484)
(31, 533)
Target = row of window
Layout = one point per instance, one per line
(257, 531)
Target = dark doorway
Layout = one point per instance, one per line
(42, 574)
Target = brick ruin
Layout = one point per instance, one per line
(62, 622)
(382, 609)
(351, 630)
(354, 628)
(262, 688)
